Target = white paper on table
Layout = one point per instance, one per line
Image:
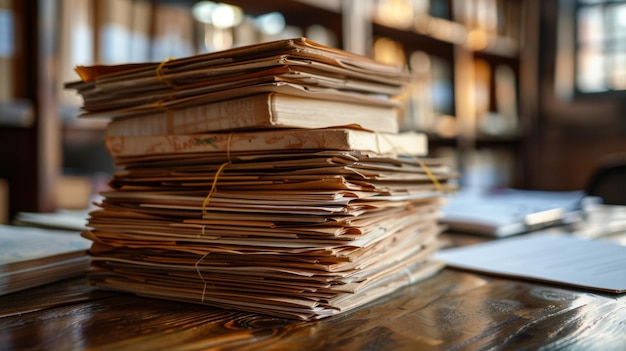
(548, 257)
(508, 212)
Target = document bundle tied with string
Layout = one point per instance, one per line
(269, 178)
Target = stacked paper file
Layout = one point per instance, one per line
(304, 217)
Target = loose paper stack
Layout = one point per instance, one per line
(292, 219)
(31, 257)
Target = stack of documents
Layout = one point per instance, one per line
(291, 220)
(284, 84)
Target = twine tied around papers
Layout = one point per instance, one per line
(421, 163)
(207, 199)
(410, 275)
(159, 71)
(197, 265)
(429, 174)
(161, 78)
(160, 104)
(204, 205)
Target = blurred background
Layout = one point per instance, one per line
(526, 94)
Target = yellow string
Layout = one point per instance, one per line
(159, 104)
(430, 175)
(205, 203)
(207, 199)
(159, 71)
(230, 136)
(171, 96)
(421, 163)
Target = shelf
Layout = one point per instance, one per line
(429, 30)
(412, 40)
(445, 49)
(301, 7)
(480, 141)
(301, 13)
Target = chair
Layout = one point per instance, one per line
(608, 181)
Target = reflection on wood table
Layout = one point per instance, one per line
(453, 310)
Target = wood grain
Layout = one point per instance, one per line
(452, 311)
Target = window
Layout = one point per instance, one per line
(600, 46)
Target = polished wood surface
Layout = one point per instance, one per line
(453, 310)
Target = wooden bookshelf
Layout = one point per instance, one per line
(444, 34)
(30, 160)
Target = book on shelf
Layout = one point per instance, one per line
(260, 111)
(31, 256)
(407, 143)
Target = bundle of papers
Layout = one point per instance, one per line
(299, 222)
(296, 67)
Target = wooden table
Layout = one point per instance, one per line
(453, 310)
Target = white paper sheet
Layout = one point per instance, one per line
(555, 258)
(507, 212)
